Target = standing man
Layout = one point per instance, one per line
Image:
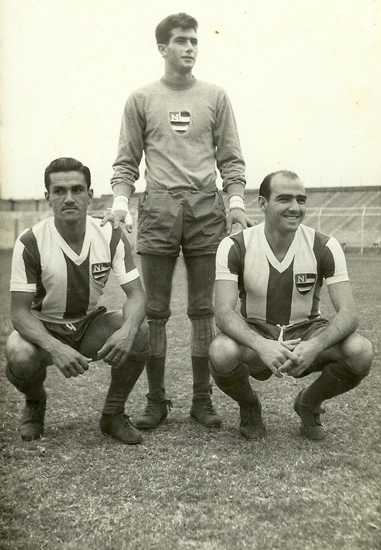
(278, 269)
(185, 128)
(60, 267)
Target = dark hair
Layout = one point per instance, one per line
(265, 187)
(182, 20)
(66, 164)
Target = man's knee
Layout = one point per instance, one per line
(224, 354)
(23, 356)
(358, 353)
(25, 365)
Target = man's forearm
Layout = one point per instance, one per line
(122, 189)
(342, 325)
(232, 324)
(33, 330)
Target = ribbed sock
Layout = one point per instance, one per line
(155, 369)
(201, 374)
(236, 385)
(123, 379)
(334, 380)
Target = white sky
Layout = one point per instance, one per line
(304, 78)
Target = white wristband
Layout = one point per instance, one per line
(120, 203)
(236, 202)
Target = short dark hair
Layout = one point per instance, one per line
(182, 20)
(66, 164)
(265, 187)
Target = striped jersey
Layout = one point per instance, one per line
(280, 293)
(67, 286)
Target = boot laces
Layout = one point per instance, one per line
(153, 406)
(35, 410)
(250, 415)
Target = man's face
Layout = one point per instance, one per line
(68, 195)
(180, 53)
(286, 208)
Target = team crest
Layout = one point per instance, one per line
(180, 121)
(305, 282)
(100, 271)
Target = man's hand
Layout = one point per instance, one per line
(236, 215)
(307, 351)
(68, 360)
(116, 218)
(275, 355)
(116, 349)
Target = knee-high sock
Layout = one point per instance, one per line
(202, 333)
(123, 379)
(155, 367)
(335, 379)
(32, 387)
(236, 385)
(201, 374)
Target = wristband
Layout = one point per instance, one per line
(120, 203)
(236, 202)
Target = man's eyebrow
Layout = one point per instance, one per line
(184, 37)
(290, 196)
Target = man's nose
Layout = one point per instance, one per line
(69, 197)
(294, 205)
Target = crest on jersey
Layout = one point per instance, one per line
(180, 121)
(305, 282)
(100, 271)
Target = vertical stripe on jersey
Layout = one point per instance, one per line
(32, 262)
(31, 256)
(115, 237)
(78, 288)
(236, 265)
(279, 295)
(323, 270)
(128, 265)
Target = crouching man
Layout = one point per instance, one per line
(59, 269)
(278, 270)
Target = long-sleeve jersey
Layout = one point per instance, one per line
(67, 286)
(286, 292)
(184, 132)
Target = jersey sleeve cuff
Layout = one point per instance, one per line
(128, 277)
(226, 277)
(23, 287)
(337, 279)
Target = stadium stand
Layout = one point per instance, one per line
(351, 214)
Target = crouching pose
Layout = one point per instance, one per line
(278, 270)
(59, 269)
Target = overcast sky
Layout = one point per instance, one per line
(304, 78)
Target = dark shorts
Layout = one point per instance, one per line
(72, 333)
(301, 330)
(168, 221)
(304, 330)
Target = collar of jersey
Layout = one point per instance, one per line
(70, 253)
(179, 86)
(285, 263)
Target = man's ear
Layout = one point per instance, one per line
(162, 49)
(90, 193)
(262, 203)
(47, 197)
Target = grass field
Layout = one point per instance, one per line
(189, 487)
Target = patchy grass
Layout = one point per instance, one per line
(189, 487)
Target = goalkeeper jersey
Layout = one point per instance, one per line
(67, 286)
(280, 293)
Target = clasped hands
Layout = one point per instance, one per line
(291, 357)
